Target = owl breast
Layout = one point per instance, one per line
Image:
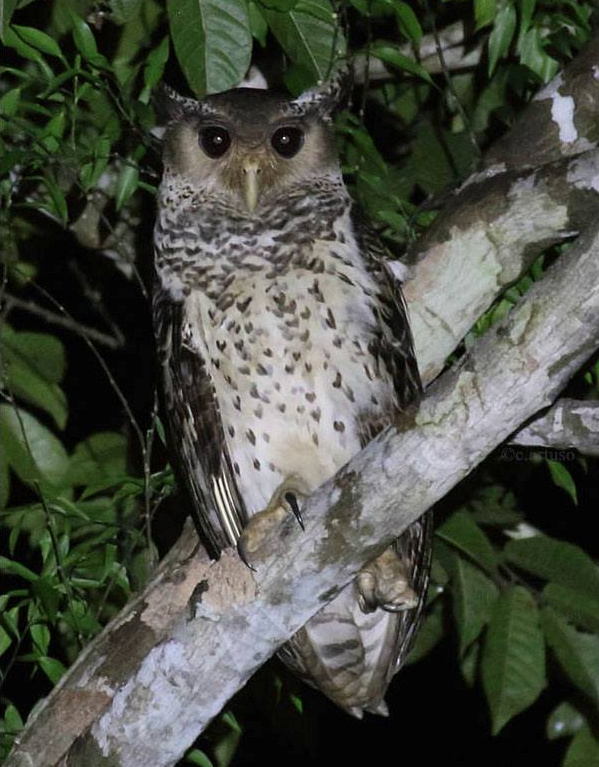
(289, 354)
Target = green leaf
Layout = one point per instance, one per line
(484, 12)
(513, 661)
(502, 35)
(57, 200)
(12, 720)
(155, 63)
(84, 39)
(562, 478)
(4, 480)
(577, 653)
(52, 668)
(5, 640)
(225, 750)
(9, 103)
(408, 22)
(6, 12)
(33, 452)
(45, 352)
(197, 757)
(122, 11)
(213, 42)
(527, 8)
(34, 365)
(557, 561)
(583, 751)
(46, 592)
(309, 36)
(40, 635)
(474, 596)
(127, 184)
(40, 40)
(16, 568)
(470, 663)
(258, 24)
(466, 536)
(581, 609)
(564, 721)
(534, 56)
(392, 56)
(103, 456)
(12, 40)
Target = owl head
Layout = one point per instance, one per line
(252, 145)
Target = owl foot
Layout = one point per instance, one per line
(384, 583)
(288, 499)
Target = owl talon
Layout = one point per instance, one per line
(265, 524)
(384, 583)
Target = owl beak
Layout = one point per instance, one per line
(251, 172)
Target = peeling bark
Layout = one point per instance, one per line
(569, 424)
(157, 676)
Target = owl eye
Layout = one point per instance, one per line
(287, 141)
(215, 141)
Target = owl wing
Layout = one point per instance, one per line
(394, 347)
(195, 431)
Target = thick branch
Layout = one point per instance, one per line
(568, 424)
(539, 186)
(485, 240)
(154, 680)
(561, 121)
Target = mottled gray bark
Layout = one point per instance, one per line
(485, 240)
(569, 424)
(166, 666)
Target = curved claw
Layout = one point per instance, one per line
(294, 505)
(241, 550)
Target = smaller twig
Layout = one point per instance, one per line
(449, 82)
(95, 299)
(68, 323)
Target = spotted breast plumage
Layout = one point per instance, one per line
(285, 348)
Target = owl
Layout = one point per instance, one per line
(284, 348)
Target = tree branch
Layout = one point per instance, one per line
(156, 677)
(52, 318)
(485, 240)
(568, 424)
(457, 55)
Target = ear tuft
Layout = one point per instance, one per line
(171, 106)
(327, 98)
